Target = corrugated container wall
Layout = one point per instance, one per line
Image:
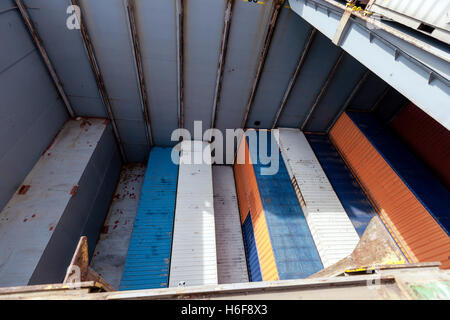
(355, 202)
(427, 138)
(194, 255)
(331, 228)
(284, 245)
(412, 203)
(148, 258)
(231, 263)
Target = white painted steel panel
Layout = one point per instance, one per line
(231, 263)
(412, 13)
(332, 231)
(194, 260)
(28, 221)
(112, 247)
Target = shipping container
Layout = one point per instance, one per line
(194, 254)
(407, 196)
(352, 197)
(218, 145)
(231, 263)
(430, 17)
(333, 233)
(148, 257)
(284, 244)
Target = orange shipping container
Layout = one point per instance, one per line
(418, 233)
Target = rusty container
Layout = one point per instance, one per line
(274, 226)
(412, 203)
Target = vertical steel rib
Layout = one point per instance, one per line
(382, 96)
(349, 99)
(299, 66)
(99, 78)
(222, 57)
(44, 55)
(131, 8)
(180, 64)
(277, 6)
(323, 90)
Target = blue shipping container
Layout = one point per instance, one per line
(148, 259)
(353, 199)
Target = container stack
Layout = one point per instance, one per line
(148, 258)
(411, 201)
(277, 239)
(331, 228)
(352, 197)
(194, 258)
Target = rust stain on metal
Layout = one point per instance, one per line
(99, 78)
(24, 189)
(74, 190)
(375, 248)
(85, 122)
(277, 5)
(140, 69)
(222, 58)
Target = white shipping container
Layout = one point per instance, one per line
(231, 263)
(332, 231)
(415, 13)
(194, 260)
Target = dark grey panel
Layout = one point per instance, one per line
(16, 44)
(30, 111)
(369, 93)
(390, 105)
(203, 25)
(247, 33)
(321, 59)
(67, 54)
(157, 34)
(288, 42)
(349, 72)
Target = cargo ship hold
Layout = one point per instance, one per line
(237, 149)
